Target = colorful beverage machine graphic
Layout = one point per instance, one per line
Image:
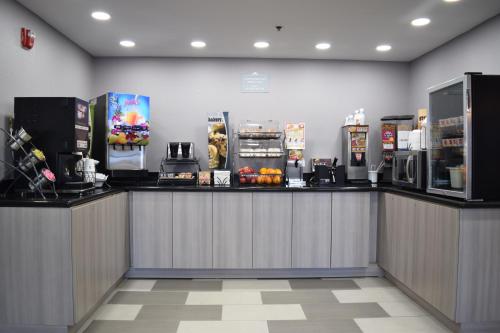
(128, 119)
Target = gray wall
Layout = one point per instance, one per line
(321, 93)
(475, 51)
(54, 67)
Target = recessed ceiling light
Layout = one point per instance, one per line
(451, 0)
(127, 43)
(384, 48)
(323, 46)
(420, 22)
(101, 16)
(261, 45)
(198, 44)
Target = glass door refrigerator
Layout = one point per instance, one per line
(463, 142)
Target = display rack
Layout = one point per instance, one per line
(259, 156)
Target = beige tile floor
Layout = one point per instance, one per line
(364, 305)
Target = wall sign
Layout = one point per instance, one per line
(255, 83)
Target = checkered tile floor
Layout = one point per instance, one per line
(369, 305)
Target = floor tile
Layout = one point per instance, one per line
(256, 285)
(263, 312)
(188, 285)
(401, 324)
(342, 311)
(180, 312)
(224, 298)
(371, 282)
(117, 312)
(298, 297)
(322, 284)
(149, 298)
(403, 309)
(313, 326)
(136, 285)
(118, 326)
(378, 294)
(223, 327)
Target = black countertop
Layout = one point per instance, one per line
(65, 201)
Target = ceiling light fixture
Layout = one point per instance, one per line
(127, 43)
(384, 48)
(199, 44)
(100, 16)
(261, 45)
(420, 22)
(323, 46)
(451, 0)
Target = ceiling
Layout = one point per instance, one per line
(165, 28)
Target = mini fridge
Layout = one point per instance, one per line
(463, 143)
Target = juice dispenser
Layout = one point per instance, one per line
(120, 133)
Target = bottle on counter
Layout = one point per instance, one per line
(359, 117)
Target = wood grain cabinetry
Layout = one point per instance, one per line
(311, 231)
(272, 230)
(99, 248)
(418, 245)
(58, 263)
(232, 230)
(192, 230)
(151, 225)
(350, 229)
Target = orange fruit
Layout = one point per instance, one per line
(278, 172)
(269, 180)
(277, 180)
(263, 171)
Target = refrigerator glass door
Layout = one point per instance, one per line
(447, 139)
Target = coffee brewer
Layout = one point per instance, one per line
(60, 127)
(355, 152)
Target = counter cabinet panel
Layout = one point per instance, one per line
(312, 227)
(192, 230)
(272, 230)
(232, 230)
(350, 234)
(151, 225)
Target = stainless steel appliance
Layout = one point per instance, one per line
(409, 169)
(180, 150)
(355, 151)
(462, 143)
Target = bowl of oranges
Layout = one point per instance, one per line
(263, 176)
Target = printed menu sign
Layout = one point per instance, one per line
(295, 136)
(254, 83)
(218, 143)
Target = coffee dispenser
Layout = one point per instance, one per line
(59, 126)
(355, 151)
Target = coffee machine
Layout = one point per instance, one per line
(60, 127)
(355, 152)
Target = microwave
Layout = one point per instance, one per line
(409, 169)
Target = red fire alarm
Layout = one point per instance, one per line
(27, 38)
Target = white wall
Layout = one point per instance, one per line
(321, 93)
(54, 67)
(475, 51)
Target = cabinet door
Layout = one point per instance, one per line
(311, 231)
(151, 217)
(232, 229)
(404, 212)
(192, 230)
(350, 229)
(436, 256)
(99, 249)
(272, 230)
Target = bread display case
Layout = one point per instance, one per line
(259, 157)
